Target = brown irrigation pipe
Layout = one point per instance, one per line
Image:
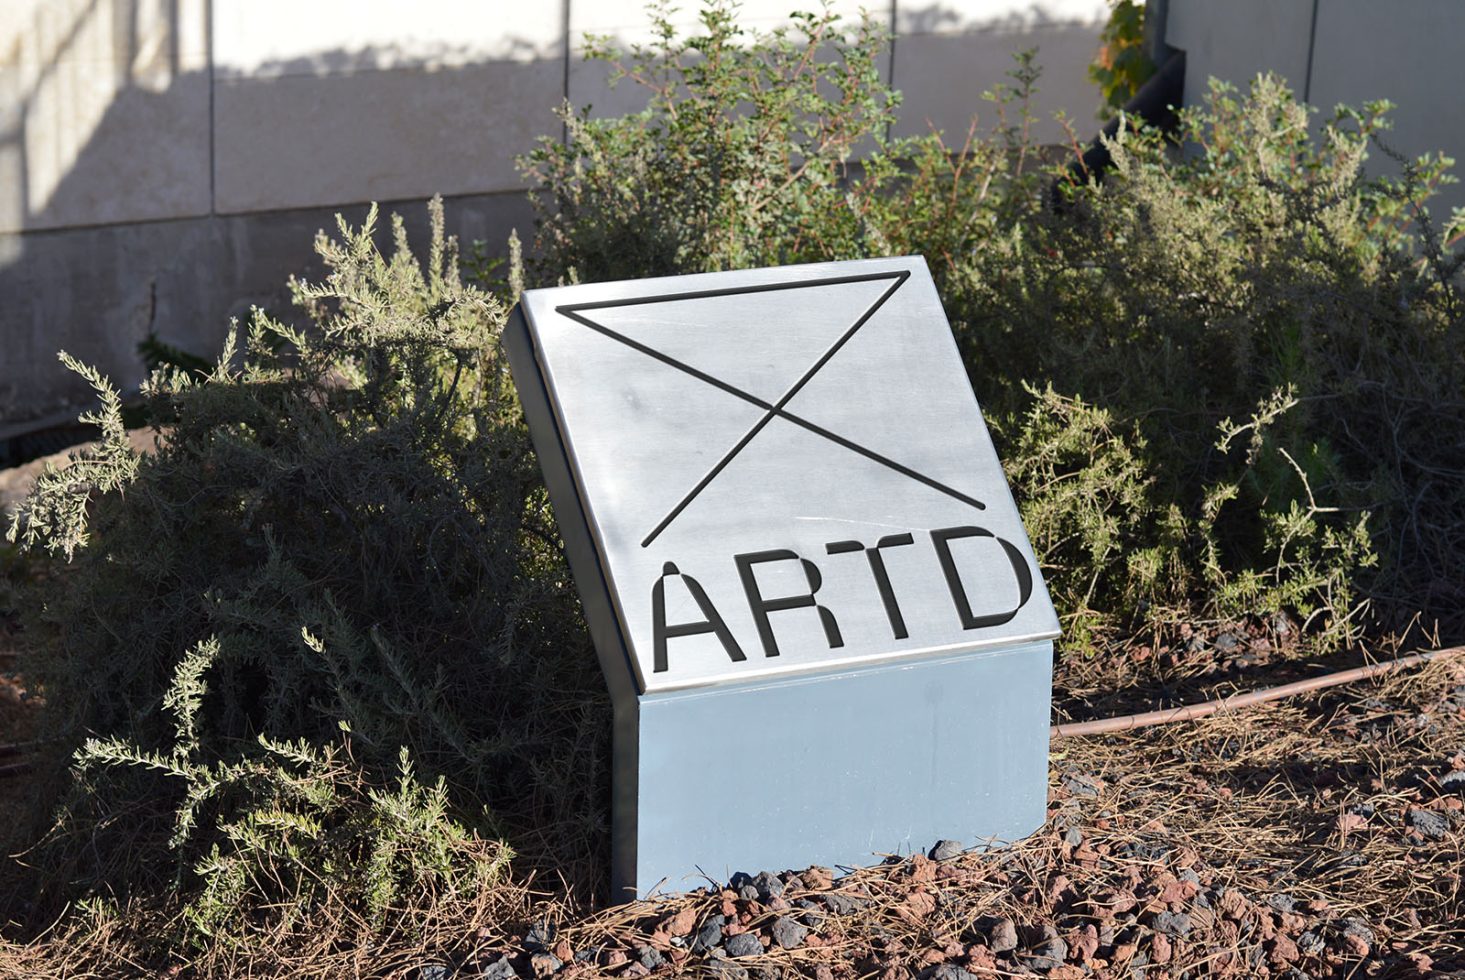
(1190, 712)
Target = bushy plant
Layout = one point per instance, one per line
(1114, 328)
(1122, 65)
(1189, 289)
(339, 553)
(738, 158)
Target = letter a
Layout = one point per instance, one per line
(712, 623)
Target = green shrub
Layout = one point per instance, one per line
(1121, 66)
(737, 160)
(1112, 328)
(343, 527)
(1188, 289)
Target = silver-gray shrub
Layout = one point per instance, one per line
(340, 545)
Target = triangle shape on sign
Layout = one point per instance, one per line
(681, 428)
(926, 397)
(759, 341)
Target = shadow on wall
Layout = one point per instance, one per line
(81, 78)
(152, 183)
(122, 215)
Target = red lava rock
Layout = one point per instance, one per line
(822, 972)
(1291, 922)
(1120, 902)
(1233, 904)
(636, 969)
(1350, 822)
(1423, 964)
(818, 879)
(923, 869)
(980, 958)
(1083, 943)
(1281, 951)
(1356, 944)
(919, 904)
(544, 964)
(729, 907)
(1177, 891)
(779, 904)
(1318, 905)
(1067, 972)
(1160, 949)
(682, 923)
(1124, 952)
(1057, 887)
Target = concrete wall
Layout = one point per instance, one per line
(1340, 51)
(164, 163)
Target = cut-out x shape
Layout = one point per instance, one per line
(772, 410)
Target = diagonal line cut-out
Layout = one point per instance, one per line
(771, 410)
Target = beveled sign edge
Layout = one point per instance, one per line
(546, 302)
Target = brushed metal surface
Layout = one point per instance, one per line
(839, 769)
(783, 471)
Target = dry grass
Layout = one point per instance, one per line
(1284, 835)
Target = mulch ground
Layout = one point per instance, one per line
(1316, 837)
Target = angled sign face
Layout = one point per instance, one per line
(782, 471)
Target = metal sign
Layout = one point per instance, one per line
(785, 516)
(784, 470)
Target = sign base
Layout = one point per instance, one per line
(863, 644)
(832, 769)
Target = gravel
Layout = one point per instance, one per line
(1173, 924)
(710, 934)
(544, 964)
(1002, 936)
(1079, 784)
(540, 937)
(1428, 823)
(769, 886)
(1050, 954)
(840, 904)
(743, 944)
(945, 850)
(499, 969)
(788, 933)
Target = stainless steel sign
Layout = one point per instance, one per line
(784, 470)
(786, 519)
